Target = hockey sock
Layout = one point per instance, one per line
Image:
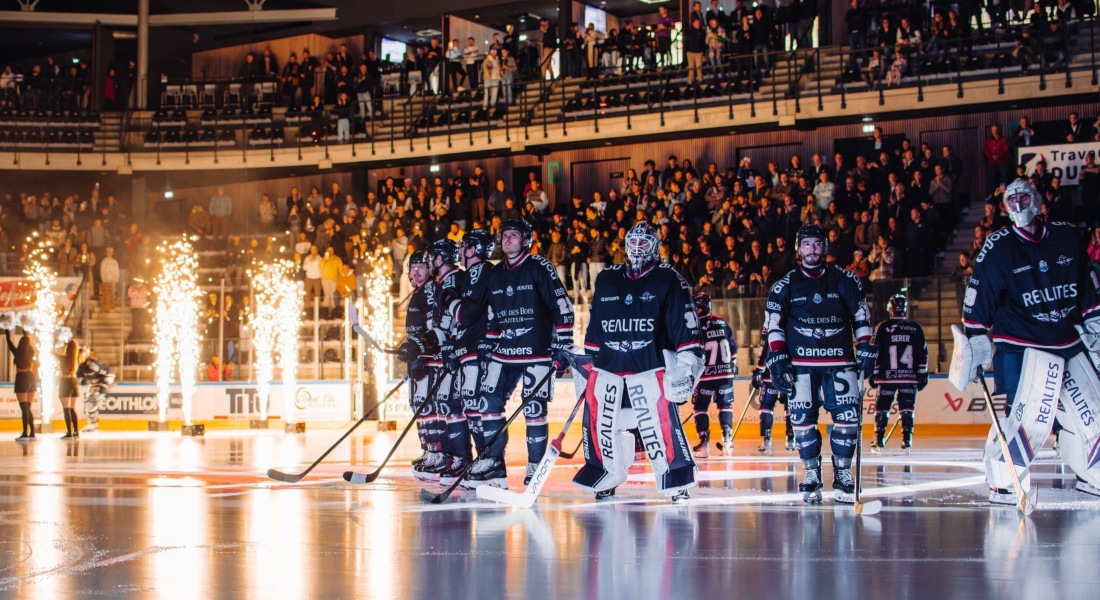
(473, 422)
(458, 436)
(725, 419)
(843, 440)
(766, 419)
(424, 432)
(907, 422)
(787, 422)
(882, 418)
(809, 441)
(702, 425)
(439, 433)
(538, 432)
(490, 425)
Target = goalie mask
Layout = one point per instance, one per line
(897, 305)
(1022, 201)
(642, 247)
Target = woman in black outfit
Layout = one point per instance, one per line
(68, 389)
(25, 381)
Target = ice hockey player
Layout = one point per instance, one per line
(769, 395)
(811, 316)
(418, 321)
(1032, 290)
(720, 357)
(529, 329)
(901, 372)
(99, 379)
(447, 404)
(468, 315)
(643, 335)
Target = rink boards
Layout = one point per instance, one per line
(325, 401)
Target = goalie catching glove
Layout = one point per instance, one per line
(682, 371)
(1090, 336)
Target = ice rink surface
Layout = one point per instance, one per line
(144, 515)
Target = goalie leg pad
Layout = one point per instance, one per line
(1033, 401)
(662, 435)
(608, 448)
(1080, 418)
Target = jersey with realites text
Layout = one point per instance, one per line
(528, 309)
(902, 352)
(719, 348)
(813, 315)
(470, 314)
(418, 315)
(1031, 290)
(633, 320)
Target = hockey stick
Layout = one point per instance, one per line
(891, 432)
(428, 496)
(733, 435)
(875, 506)
(295, 478)
(526, 498)
(1025, 500)
(353, 318)
(355, 477)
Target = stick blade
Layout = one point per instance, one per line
(867, 509)
(503, 496)
(283, 477)
(1030, 500)
(354, 477)
(429, 497)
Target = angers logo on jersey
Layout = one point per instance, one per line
(818, 333)
(627, 346)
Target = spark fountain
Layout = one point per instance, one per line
(177, 324)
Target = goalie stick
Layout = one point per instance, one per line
(353, 318)
(875, 506)
(526, 498)
(356, 477)
(436, 498)
(295, 478)
(1025, 500)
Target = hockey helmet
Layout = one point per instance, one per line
(482, 243)
(897, 305)
(422, 259)
(445, 250)
(642, 246)
(523, 227)
(1022, 201)
(702, 304)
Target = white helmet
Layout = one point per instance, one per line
(642, 246)
(1022, 201)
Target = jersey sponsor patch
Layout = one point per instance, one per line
(1064, 261)
(818, 333)
(628, 345)
(1053, 316)
(511, 334)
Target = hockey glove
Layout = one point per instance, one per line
(410, 350)
(866, 357)
(560, 351)
(758, 378)
(782, 371)
(969, 354)
(922, 381)
(418, 369)
(1090, 336)
(681, 377)
(484, 352)
(430, 342)
(449, 356)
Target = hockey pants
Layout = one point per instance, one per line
(835, 389)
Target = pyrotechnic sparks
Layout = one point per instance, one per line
(177, 324)
(42, 320)
(379, 305)
(275, 324)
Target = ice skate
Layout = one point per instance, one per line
(90, 427)
(531, 467)
(811, 483)
(876, 448)
(605, 494)
(487, 471)
(431, 467)
(1086, 487)
(844, 486)
(878, 444)
(907, 442)
(448, 475)
(1002, 496)
(420, 459)
(702, 449)
(681, 496)
(790, 443)
(765, 447)
(727, 445)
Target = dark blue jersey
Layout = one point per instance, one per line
(470, 315)
(1031, 291)
(902, 352)
(633, 320)
(719, 348)
(418, 315)
(528, 310)
(814, 316)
